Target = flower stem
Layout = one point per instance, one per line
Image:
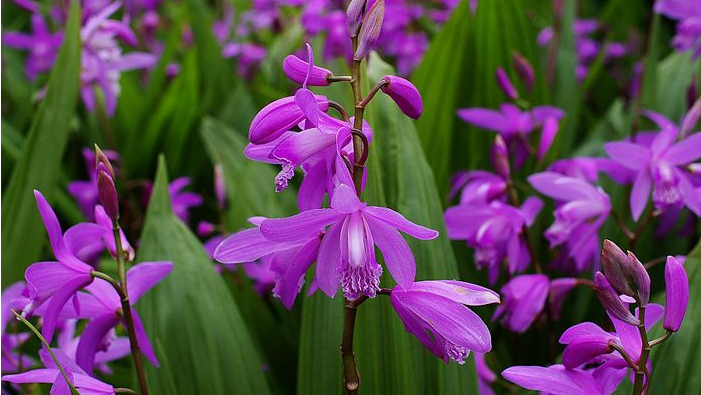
(48, 348)
(128, 318)
(351, 378)
(641, 375)
(661, 339)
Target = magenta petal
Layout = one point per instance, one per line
(396, 252)
(484, 118)
(547, 136)
(59, 300)
(639, 194)
(142, 339)
(632, 156)
(398, 221)
(585, 348)
(53, 229)
(611, 302)
(306, 101)
(328, 262)
(91, 339)
(84, 240)
(405, 94)
(582, 329)
(298, 227)
(277, 118)
(313, 187)
(145, 276)
(303, 145)
(288, 286)
(546, 380)
(677, 288)
(685, 151)
(458, 291)
(345, 200)
(33, 376)
(296, 70)
(247, 246)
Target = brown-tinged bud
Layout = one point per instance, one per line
(370, 29)
(500, 158)
(638, 279)
(524, 70)
(100, 157)
(615, 263)
(354, 15)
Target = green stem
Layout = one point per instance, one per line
(128, 318)
(641, 372)
(48, 348)
(661, 339)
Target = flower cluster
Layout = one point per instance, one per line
(72, 288)
(297, 132)
(688, 15)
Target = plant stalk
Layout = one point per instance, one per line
(642, 378)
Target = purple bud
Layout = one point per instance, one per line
(677, 288)
(500, 158)
(524, 70)
(505, 84)
(296, 70)
(611, 302)
(547, 135)
(585, 348)
(690, 119)
(638, 278)
(615, 263)
(354, 14)
(370, 29)
(278, 117)
(219, 185)
(107, 194)
(692, 94)
(205, 228)
(101, 158)
(405, 94)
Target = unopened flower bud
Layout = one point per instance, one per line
(205, 228)
(692, 94)
(638, 278)
(505, 84)
(296, 70)
(677, 289)
(354, 15)
(219, 185)
(107, 194)
(500, 158)
(100, 157)
(547, 135)
(611, 302)
(405, 94)
(370, 29)
(615, 263)
(524, 70)
(585, 348)
(278, 117)
(690, 119)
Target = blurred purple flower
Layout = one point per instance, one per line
(42, 45)
(347, 253)
(87, 240)
(12, 360)
(183, 201)
(581, 211)
(688, 15)
(660, 166)
(485, 375)
(436, 313)
(262, 275)
(114, 347)
(494, 230)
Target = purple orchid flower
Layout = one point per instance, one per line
(525, 297)
(660, 166)
(51, 374)
(515, 125)
(478, 187)
(688, 15)
(494, 230)
(42, 46)
(485, 375)
(114, 347)
(347, 254)
(557, 380)
(436, 313)
(289, 261)
(102, 306)
(102, 59)
(183, 201)
(262, 274)
(582, 210)
(59, 281)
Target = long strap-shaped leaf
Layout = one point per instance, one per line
(39, 163)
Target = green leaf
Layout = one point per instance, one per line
(192, 314)
(250, 185)
(675, 362)
(389, 359)
(458, 71)
(39, 163)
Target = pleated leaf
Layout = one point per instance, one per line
(206, 348)
(39, 162)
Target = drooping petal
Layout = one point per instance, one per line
(298, 227)
(398, 221)
(546, 380)
(304, 98)
(640, 194)
(345, 200)
(484, 118)
(288, 285)
(610, 300)
(57, 302)
(92, 338)
(631, 156)
(313, 187)
(33, 376)
(145, 276)
(458, 291)
(85, 240)
(247, 246)
(685, 151)
(582, 329)
(396, 252)
(327, 263)
(142, 339)
(585, 348)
